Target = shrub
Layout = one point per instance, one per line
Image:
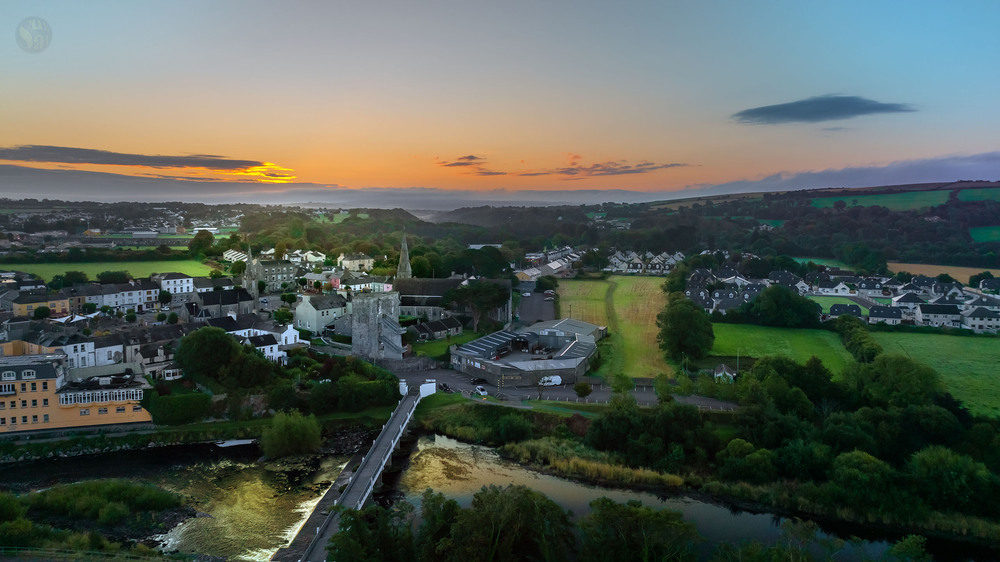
(290, 433)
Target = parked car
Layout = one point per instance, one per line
(553, 380)
(550, 298)
(478, 381)
(263, 300)
(525, 294)
(480, 391)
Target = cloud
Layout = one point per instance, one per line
(926, 170)
(573, 171)
(620, 168)
(821, 108)
(250, 169)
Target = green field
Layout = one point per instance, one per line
(981, 194)
(967, 365)
(800, 345)
(776, 223)
(905, 201)
(138, 269)
(628, 307)
(439, 347)
(826, 302)
(985, 233)
(829, 262)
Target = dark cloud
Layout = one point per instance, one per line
(64, 154)
(622, 168)
(573, 171)
(820, 108)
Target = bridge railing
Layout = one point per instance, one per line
(388, 454)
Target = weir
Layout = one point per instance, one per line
(310, 543)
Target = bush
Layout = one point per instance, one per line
(177, 409)
(513, 427)
(290, 433)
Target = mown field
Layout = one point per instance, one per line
(826, 302)
(979, 194)
(628, 307)
(136, 268)
(800, 345)
(985, 233)
(906, 201)
(967, 365)
(960, 274)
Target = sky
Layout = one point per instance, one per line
(408, 103)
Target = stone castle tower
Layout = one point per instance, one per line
(375, 329)
(403, 271)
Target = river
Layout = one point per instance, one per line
(459, 470)
(247, 517)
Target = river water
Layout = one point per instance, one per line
(246, 516)
(459, 470)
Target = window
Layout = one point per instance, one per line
(45, 385)
(27, 374)
(102, 411)
(9, 376)
(85, 411)
(136, 408)
(24, 403)
(24, 387)
(45, 418)
(45, 401)
(13, 403)
(34, 403)
(83, 361)
(34, 386)
(120, 410)
(34, 419)
(24, 419)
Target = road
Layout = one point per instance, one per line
(645, 395)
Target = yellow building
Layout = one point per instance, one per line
(25, 305)
(37, 393)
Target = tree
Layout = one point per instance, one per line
(165, 297)
(201, 243)
(630, 531)
(975, 279)
(685, 329)
(290, 433)
(779, 306)
(74, 277)
(420, 266)
(161, 316)
(283, 316)
(205, 351)
(130, 317)
(546, 283)
(113, 277)
(261, 286)
(897, 380)
(238, 267)
(42, 312)
(482, 297)
(172, 318)
(582, 389)
(89, 307)
(375, 534)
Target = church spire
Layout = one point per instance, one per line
(403, 271)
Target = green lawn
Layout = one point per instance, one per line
(800, 345)
(887, 301)
(968, 366)
(138, 269)
(826, 302)
(985, 233)
(439, 347)
(906, 201)
(979, 194)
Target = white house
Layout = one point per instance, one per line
(177, 283)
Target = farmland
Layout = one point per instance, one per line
(138, 269)
(985, 233)
(979, 194)
(967, 365)
(826, 302)
(905, 201)
(759, 341)
(829, 262)
(628, 307)
(960, 274)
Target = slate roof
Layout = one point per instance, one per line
(947, 309)
(225, 297)
(841, 309)
(885, 312)
(981, 312)
(909, 298)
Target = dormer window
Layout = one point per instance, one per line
(9, 376)
(27, 374)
